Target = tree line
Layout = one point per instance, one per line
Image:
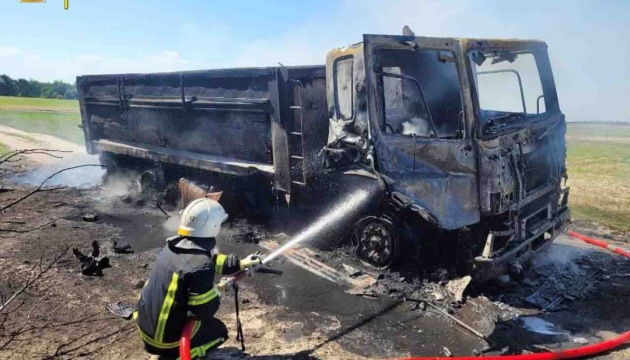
(37, 89)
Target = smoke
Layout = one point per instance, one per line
(171, 224)
(416, 126)
(559, 255)
(540, 326)
(121, 184)
(81, 178)
(117, 190)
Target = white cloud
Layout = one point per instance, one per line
(10, 51)
(21, 64)
(90, 57)
(309, 43)
(169, 58)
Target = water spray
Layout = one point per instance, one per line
(336, 215)
(341, 213)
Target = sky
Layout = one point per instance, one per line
(588, 40)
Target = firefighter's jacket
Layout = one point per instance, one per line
(181, 287)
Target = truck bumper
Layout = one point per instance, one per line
(487, 268)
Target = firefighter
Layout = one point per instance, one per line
(181, 285)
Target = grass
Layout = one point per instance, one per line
(18, 103)
(598, 130)
(59, 118)
(598, 161)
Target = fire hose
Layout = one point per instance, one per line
(580, 352)
(600, 243)
(575, 353)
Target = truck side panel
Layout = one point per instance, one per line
(243, 136)
(231, 121)
(228, 117)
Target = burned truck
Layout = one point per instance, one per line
(461, 137)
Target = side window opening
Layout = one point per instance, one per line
(344, 93)
(421, 94)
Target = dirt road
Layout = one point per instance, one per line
(295, 315)
(18, 139)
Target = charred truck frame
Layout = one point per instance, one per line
(444, 127)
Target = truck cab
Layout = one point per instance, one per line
(465, 133)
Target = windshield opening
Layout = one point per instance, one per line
(508, 85)
(421, 93)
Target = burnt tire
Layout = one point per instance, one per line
(377, 241)
(151, 181)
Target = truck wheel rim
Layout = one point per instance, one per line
(376, 242)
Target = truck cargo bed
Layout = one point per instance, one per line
(232, 121)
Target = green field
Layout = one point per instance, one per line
(598, 161)
(598, 155)
(60, 118)
(17, 103)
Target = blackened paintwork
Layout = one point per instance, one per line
(275, 121)
(232, 121)
(440, 175)
(508, 182)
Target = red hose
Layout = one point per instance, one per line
(186, 335)
(583, 351)
(184, 341)
(600, 243)
(576, 353)
(588, 350)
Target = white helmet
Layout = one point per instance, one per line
(202, 218)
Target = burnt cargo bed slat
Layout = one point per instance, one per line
(185, 158)
(236, 104)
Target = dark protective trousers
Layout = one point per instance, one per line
(208, 335)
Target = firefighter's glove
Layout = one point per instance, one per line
(225, 284)
(251, 262)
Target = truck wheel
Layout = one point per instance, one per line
(377, 241)
(151, 183)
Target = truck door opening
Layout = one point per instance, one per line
(421, 93)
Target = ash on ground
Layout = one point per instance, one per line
(406, 281)
(243, 231)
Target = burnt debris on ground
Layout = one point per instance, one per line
(243, 231)
(377, 323)
(92, 264)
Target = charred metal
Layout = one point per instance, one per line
(407, 116)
